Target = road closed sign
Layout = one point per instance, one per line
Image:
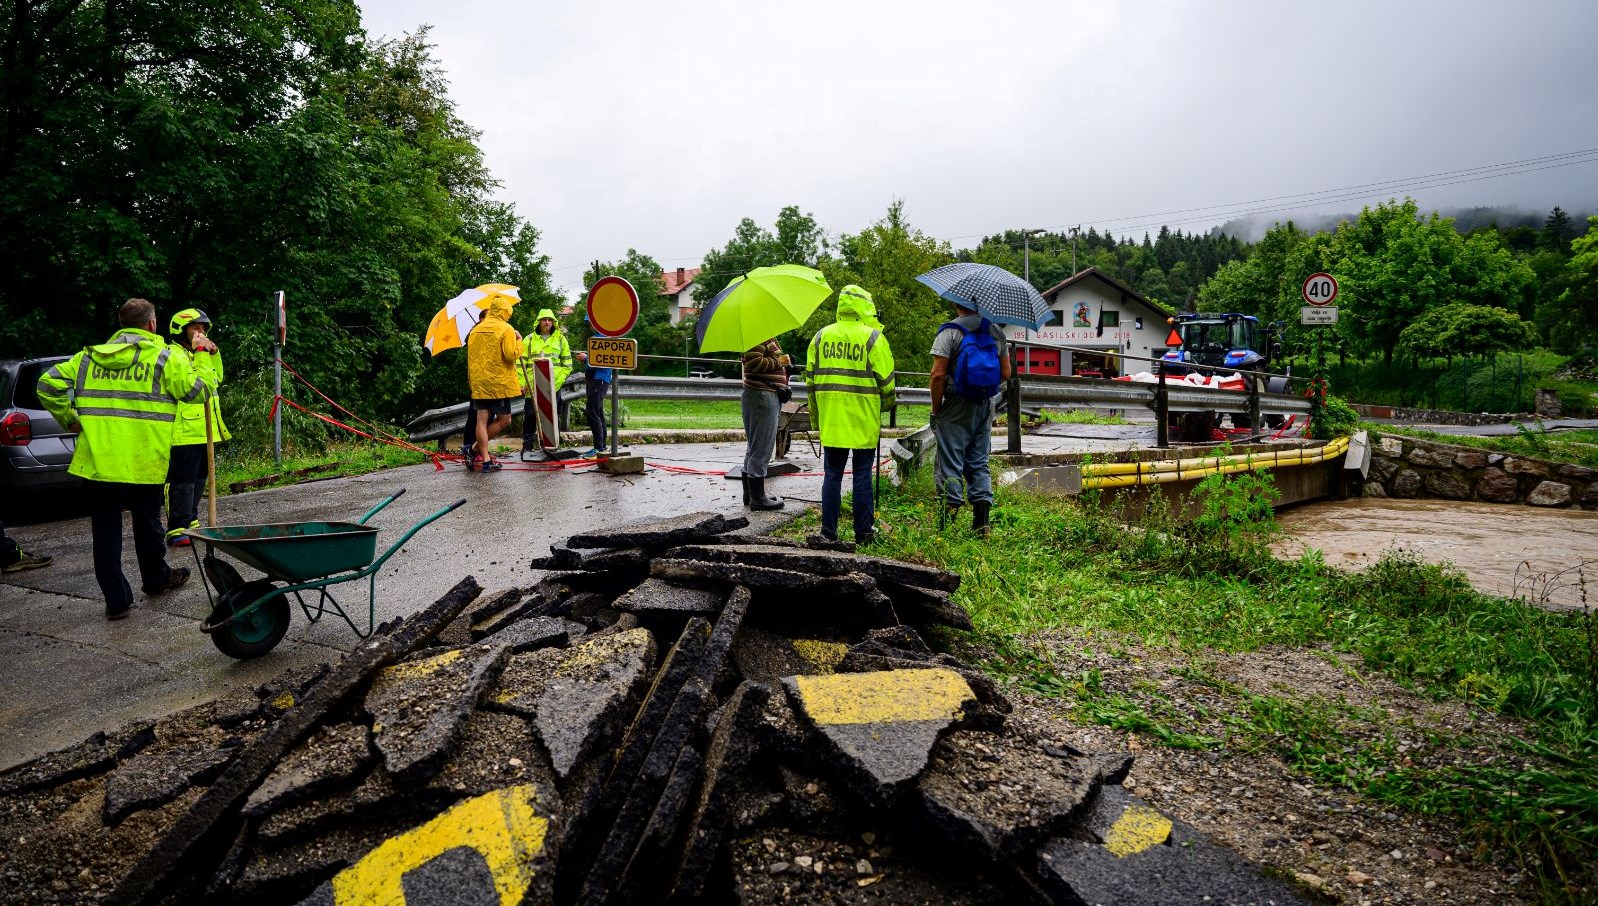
(1320, 289)
(612, 306)
(612, 352)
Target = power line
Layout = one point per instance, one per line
(1231, 210)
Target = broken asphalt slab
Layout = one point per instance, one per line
(577, 697)
(1137, 856)
(419, 707)
(489, 849)
(658, 533)
(881, 727)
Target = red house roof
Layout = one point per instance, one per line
(676, 281)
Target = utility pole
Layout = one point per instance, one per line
(1074, 231)
(1026, 268)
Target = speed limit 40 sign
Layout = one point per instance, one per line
(1320, 289)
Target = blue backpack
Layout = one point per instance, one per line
(977, 375)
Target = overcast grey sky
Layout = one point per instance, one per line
(657, 125)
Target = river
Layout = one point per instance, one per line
(1545, 555)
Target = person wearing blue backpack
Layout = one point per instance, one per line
(969, 367)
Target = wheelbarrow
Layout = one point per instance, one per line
(248, 619)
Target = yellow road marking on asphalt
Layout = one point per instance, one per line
(1138, 828)
(824, 655)
(418, 669)
(503, 826)
(890, 696)
(601, 651)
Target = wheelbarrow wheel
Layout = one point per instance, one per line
(255, 633)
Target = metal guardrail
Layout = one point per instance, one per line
(1036, 390)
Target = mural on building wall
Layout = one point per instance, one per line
(1081, 316)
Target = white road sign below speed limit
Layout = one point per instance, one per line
(1320, 289)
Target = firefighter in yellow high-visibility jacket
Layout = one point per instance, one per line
(121, 398)
(547, 341)
(849, 376)
(187, 474)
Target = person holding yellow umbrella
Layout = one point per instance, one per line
(492, 349)
(449, 330)
(547, 341)
(746, 318)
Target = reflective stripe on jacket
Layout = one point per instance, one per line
(554, 347)
(124, 395)
(849, 373)
(190, 425)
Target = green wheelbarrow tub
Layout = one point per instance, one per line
(296, 551)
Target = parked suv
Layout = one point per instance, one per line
(34, 451)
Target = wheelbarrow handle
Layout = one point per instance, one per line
(373, 511)
(376, 564)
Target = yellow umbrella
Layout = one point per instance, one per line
(460, 314)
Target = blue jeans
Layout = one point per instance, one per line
(965, 433)
(865, 505)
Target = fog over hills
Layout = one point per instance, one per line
(1252, 228)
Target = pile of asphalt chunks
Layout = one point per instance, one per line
(673, 712)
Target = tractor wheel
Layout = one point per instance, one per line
(258, 632)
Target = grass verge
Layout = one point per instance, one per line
(1058, 574)
(345, 457)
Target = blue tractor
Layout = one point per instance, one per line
(1220, 343)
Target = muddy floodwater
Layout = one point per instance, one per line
(1514, 551)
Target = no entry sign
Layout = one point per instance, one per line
(612, 306)
(1320, 289)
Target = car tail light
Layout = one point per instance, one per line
(16, 430)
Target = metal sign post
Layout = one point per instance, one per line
(1320, 291)
(612, 312)
(280, 336)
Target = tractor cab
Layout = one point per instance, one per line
(1217, 341)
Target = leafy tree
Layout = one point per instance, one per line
(1466, 330)
(1393, 266)
(885, 258)
(207, 153)
(1578, 322)
(796, 240)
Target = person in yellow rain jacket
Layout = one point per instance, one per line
(492, 349)
(548, 341)
(849, 376)
(186, 475)
(121, 398)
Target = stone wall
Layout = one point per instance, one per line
(1407, 467)
(1434, 416)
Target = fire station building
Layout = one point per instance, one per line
(1096, 321)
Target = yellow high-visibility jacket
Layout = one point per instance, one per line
(554, 347)
(849, 377)
(124, 395)
(190, 425)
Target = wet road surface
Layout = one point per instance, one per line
(69, 672)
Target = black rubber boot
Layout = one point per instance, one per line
(979, 517)
(757, 496)
(744, 480)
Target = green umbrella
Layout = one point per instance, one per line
(763, 303)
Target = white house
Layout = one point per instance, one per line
(1101, 320)
(680, 292)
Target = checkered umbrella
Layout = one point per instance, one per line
(994, 292)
